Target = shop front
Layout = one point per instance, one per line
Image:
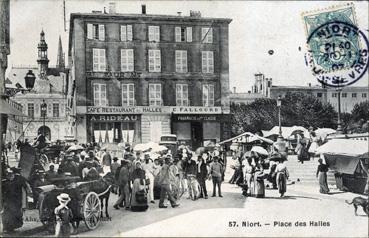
(197, 130)
(106, 128)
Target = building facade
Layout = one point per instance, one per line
(51, 88)
(141, 76)
(349, 97)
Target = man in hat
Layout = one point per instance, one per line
(148, 166)
(216, 170)
(165, 185)
(70, 166)
(106, 158)
(40, 141)
(64, 216)
(13, 188)
(123, 183)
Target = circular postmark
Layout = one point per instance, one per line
(336, 56)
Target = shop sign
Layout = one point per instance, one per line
(127, 110)
(197, 110)
(115, 118)
(196, 118)
(112, 74)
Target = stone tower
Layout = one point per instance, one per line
(42, 59)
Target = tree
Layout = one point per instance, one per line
(360, 111)
(297, 109)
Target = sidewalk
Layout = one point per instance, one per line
(31, 225)
(313, 189)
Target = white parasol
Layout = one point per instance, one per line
(259, 150)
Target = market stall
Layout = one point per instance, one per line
(350, 166)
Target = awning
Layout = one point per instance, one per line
(6, 108)
(246, 137)
(344, 147)
(342, 164)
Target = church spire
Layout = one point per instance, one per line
(60, 64)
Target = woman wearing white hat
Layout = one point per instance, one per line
(63, 216)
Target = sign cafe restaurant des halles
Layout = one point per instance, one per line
(140, 76)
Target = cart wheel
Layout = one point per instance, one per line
(46, 216)
(91, 210)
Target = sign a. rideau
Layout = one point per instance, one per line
(114, 118)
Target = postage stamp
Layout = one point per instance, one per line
(337, 49)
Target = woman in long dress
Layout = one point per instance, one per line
(259, 186)
(138, 188)
(314, 144)
(248, 171)
(282, 176)
(321, 174)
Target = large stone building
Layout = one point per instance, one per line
(51, 87)
(139, 76)
(263, 88)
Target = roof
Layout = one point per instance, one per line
(55, 79)
(140, 18)
(340, 147)
(246, 95)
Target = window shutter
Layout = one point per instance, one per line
(157, 61)
(123, 59)
(102, 60)
(178, 61)
(184, 61)
(178, 34)
(95, 56)
(203, 33)
(89, 31)
(151, 60)
(210, 62)
(123, 33)
(102, 32)
(210, 36)
(130, 60)
(157, 34)
(204, 61)
(151, 33)
(129, 33)
(189, 34)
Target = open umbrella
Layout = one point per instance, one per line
(75, 148)
(140, 147)
(159, 148)
(259, 150)
(200, 150)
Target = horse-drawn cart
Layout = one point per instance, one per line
(85, 201)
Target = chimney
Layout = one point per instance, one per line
(143, 8)
(234, 89)
(112, 7)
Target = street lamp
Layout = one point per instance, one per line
(339, 124)
(279, 104)
(30, 80)
(43, 113)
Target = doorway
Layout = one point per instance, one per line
(196, 134)
(45, 131)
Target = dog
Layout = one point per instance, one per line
(360, 201)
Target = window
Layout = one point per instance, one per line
(319, 95)
(126, 33)
(207, 35)
(96, 31)
(354, 95)
(344, 95)
(155, 95)
(128, 94)
(183, 34)
(100, 95)
(334, 95)
(207, 62)
(208, 95)
(126, 60)
(55, 109)
(363, 95)
(181, 61)
(31, 110)
(99, 63)
(43, 112)
(182, 95)
(154, 33)
(154, 61)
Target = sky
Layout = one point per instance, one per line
(256, 28)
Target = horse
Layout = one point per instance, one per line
(103, 187)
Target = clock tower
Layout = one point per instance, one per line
(42, 59)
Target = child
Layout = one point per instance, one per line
(63, 216)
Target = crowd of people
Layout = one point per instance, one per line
(252, 169)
